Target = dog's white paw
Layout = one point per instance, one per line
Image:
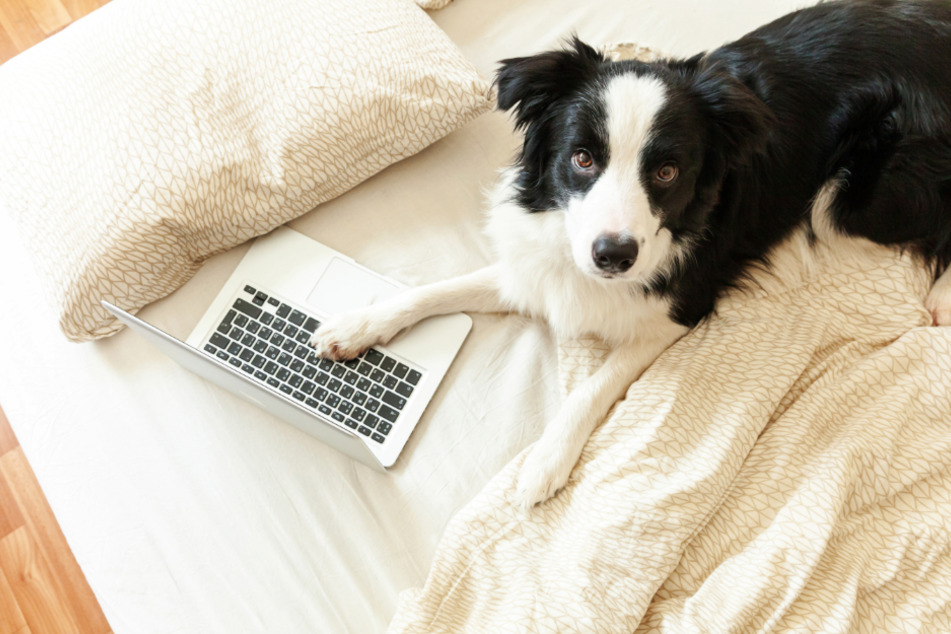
(544, 472)
(938, 302)
(345, 336)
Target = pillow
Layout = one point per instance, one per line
(151, 135)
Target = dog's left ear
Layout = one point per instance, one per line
(740, 122)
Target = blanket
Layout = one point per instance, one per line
(786, 466)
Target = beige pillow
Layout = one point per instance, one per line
(150, 135)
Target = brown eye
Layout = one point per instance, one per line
(582, 160)
(666, 174)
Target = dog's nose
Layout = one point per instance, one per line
(614, 254)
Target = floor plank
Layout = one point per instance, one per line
(12, 620)
(19, 23)
(79, 8)
(50, 15)
(33, 584)
(38, 516)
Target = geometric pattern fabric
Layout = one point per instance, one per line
(150, 135)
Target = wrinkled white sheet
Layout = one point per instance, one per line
(192, 511)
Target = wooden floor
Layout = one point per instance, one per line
(42, 589)
(23, 23)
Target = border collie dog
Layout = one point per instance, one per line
(644, 190)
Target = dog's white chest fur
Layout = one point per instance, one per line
(540, 278)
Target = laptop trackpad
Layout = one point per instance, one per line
(345, 286)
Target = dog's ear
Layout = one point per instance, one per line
(739, 122)
(531, 84)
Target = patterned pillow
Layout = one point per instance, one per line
(151, 135)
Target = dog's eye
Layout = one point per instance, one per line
(666, 174)
(582, 160)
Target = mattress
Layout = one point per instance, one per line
(190, 510)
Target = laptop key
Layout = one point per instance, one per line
(352, 363)
(400, 370)
(283, 374)
(373, 405)
(230, 316)
(285, 359)
(337, 416)
(290, 330)
(388, 364)
(326, 411)
(283, 310)
(394, 400)
(359, 398)
(300, 396)
(321, 394)
(246, 355)
(363, 384)
(273, 382)
(210, 348)
(346, 391)
(389, 413)
(302, 337)
(235, 361)
(301, 351)
(326, 365)
(334, 385)
(377, 375)
(322, 378)
(352, 424)
(259, 299)
(248, 368)
(359, 414)
(404, 389)
(272, 353)
(371, 422)
(296, 380)
(311, 403)
(308, 387)
(297, 318)
(265, 333)
(260, 346)
(234, 347)
(350, 377)
(376, 391)
(413, 377)
(258, 361)
(260, 376)
(390, 381)
(277, 339)
(309, 371)
(236, 333)
(332, 401)
(271, 367)
(384, 428)
(248, 339)
(363, 429)
(365, 369)
(287, 389)
(289, 345)
(267, 318)
(224, 356)
(247, 308)
(378, 437)
(241, 320)
(253, 327)
(219, 340)
(311, 324)
(346, 407)
(273, 301)
(250, 290)
(373, 356)
(338, 371)
(297, 365)
(224, 327)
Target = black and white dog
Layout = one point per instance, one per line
(644, 190)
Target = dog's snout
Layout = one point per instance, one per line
(614, 254)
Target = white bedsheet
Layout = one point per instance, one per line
(192, 511)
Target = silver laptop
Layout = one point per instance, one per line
(252, 341)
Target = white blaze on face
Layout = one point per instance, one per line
(617, 203)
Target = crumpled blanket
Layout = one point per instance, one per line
(786, 466)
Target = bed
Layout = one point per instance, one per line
(190, 510)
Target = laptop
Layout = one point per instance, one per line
(252, 341)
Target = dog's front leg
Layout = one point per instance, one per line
(551, 459)
(346, 335)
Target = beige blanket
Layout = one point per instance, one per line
(786, 466)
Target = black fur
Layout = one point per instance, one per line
(853, 91)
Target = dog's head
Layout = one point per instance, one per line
(633, 153)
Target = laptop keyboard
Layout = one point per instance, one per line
(266, 338)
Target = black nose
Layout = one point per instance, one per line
(614, 254)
